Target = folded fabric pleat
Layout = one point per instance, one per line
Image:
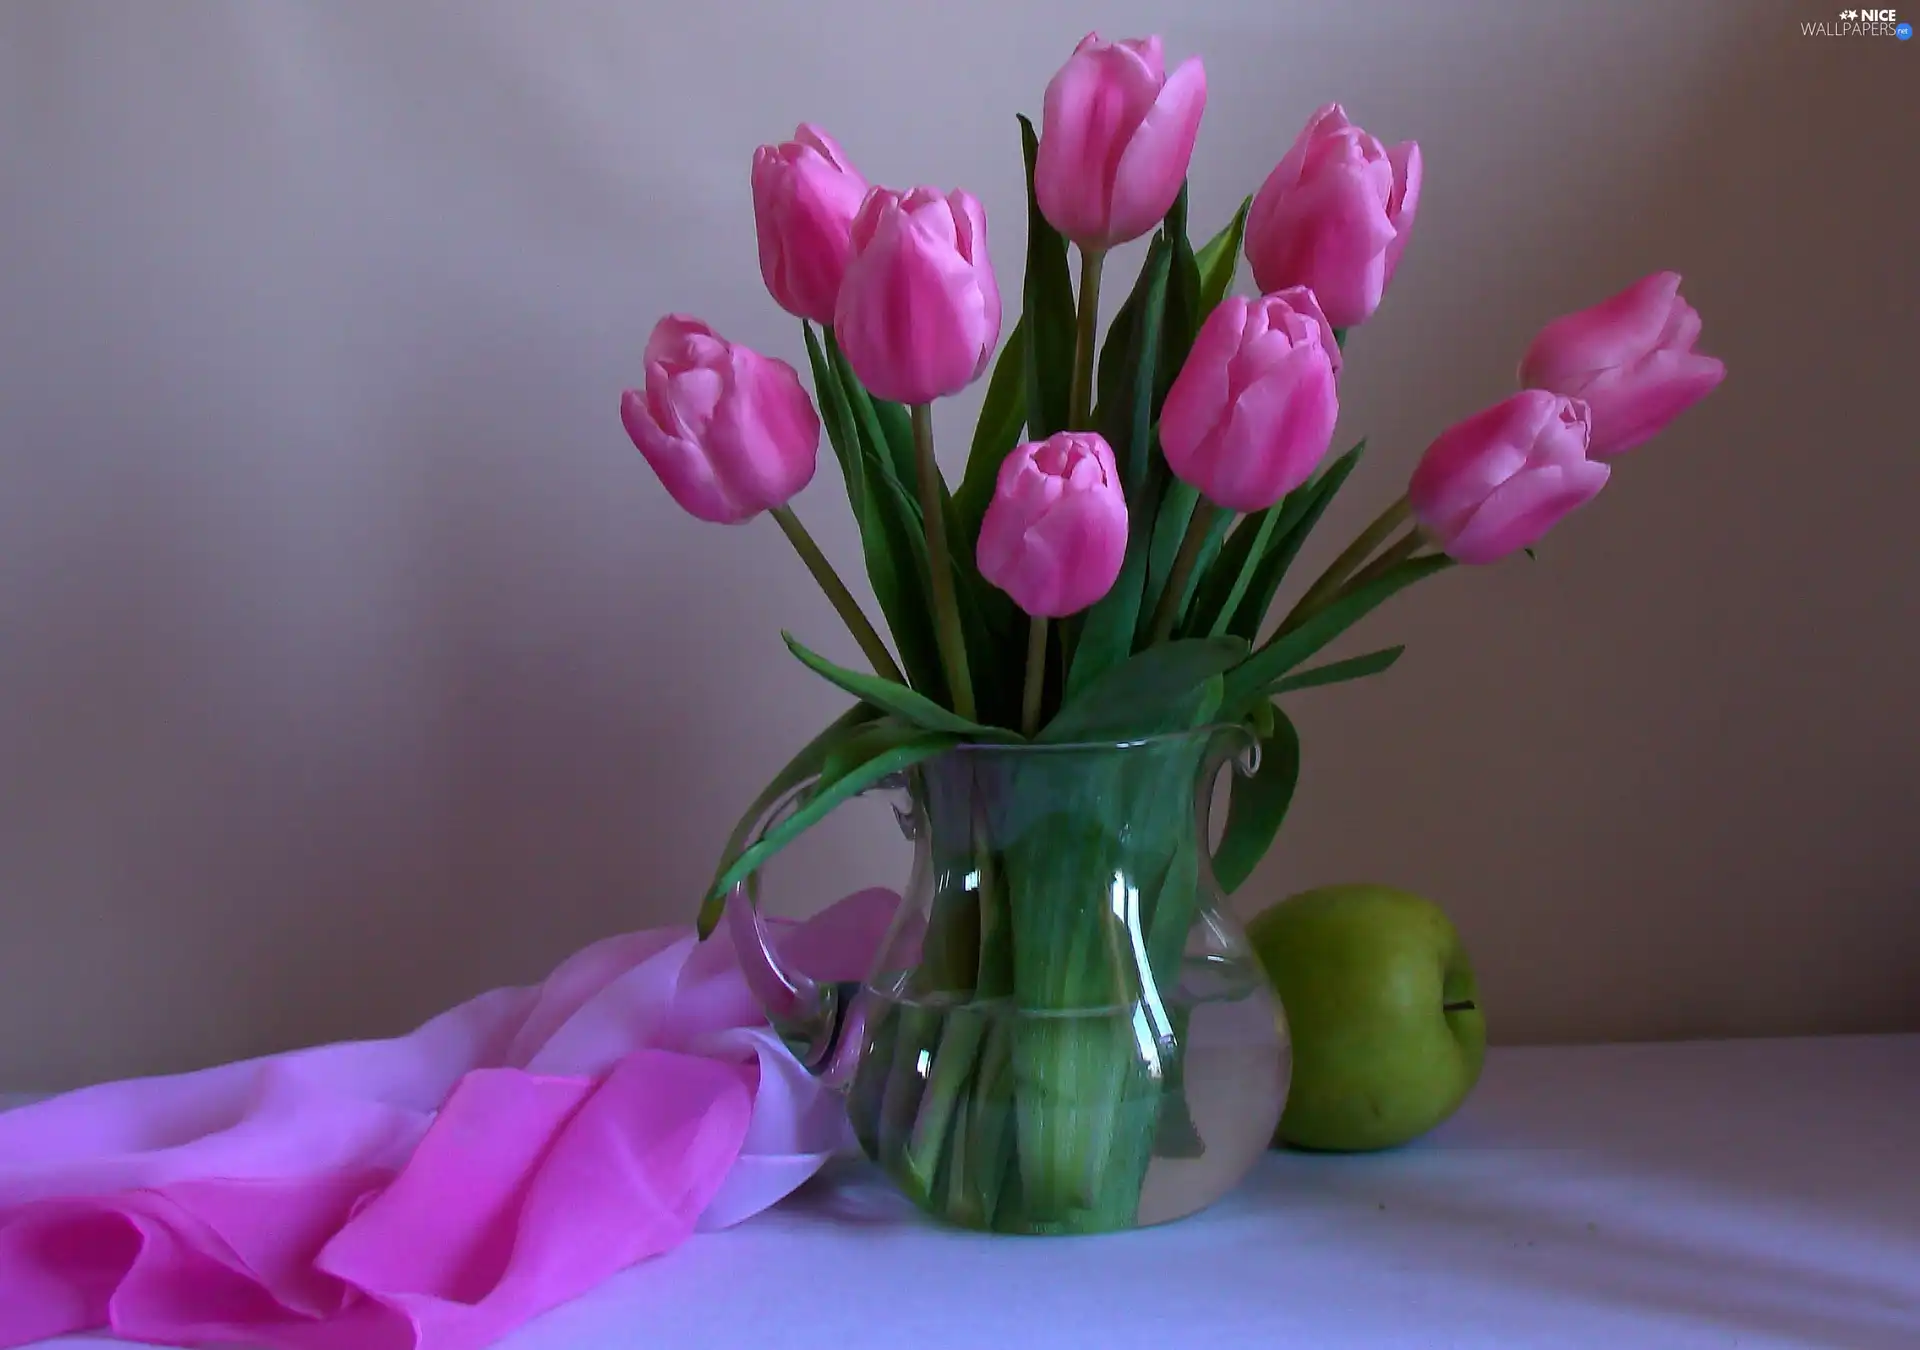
(433, 1191)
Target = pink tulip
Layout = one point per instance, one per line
(805, 196)
(730, 432)
(919, 311)
(1252, 411)
(1116, 135)
(1055, 533)
(1497, 482)
(1631, 358)
(1334, 216)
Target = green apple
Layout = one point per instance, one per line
(1388, 1035)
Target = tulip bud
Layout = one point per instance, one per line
(1334, 215)
(1116, 136)
(1631, 358)
(1055, 533)
(730, 432)
(919, 310)
(1251, 413)
(1497, 482)
(805, 196)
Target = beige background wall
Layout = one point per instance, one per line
(351, 661)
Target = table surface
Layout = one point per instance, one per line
(1742, 1193)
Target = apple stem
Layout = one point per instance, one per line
(1466, 1005)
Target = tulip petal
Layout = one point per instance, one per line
(1304, 303)
(676, 339)
(1472, 458)
(1619, 330)
(1200, 392)
(1055, 533)
(917, 319)
(1276, 435)
(1630, 410)
(805, 199)
(679, 464)
(816, 139)
(1154, 164)
(1519, 513)
(1082, 118)
(1264, 215)
(1683, 327)
(769, 409)
(1340, 240)
(1150, 56)
(1405, 158)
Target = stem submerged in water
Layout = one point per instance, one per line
(1036, 1100)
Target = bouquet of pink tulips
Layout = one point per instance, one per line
(1107, 566)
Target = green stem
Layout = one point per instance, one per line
(838, 595)
(1168, 610)
(1036, 675)
(1224, 619)
(1402, 549)
(1329, 581)
(1080, 404)
(946, 609)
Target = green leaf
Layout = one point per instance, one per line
(877, 738)
(1134, 333)
(811, 758)
(995, 434)
(876, 752)
(882, 455)
(907, 577)
(1169, 529)
(1212, 694)
(1204, 562)
(896, 423)
(1179, 308)
(990, 620)
(1151, 692)
(837, 416)
(914, 709)
(892, 538)
(1107, 633)
(1217, 260)
(1114, 367)
(1300, 511)
(1290, 647)
(993, 626)
(1183, 298)
(1049, 311)
(1127, 403)
(1258, 805)
(1338, 672)
(1232, 573)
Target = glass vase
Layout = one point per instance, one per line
(1064, 1031)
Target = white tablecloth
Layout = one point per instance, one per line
(1751, 1194)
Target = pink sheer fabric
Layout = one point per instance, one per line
(433, 1191)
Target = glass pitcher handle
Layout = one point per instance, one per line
(822, 1024)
